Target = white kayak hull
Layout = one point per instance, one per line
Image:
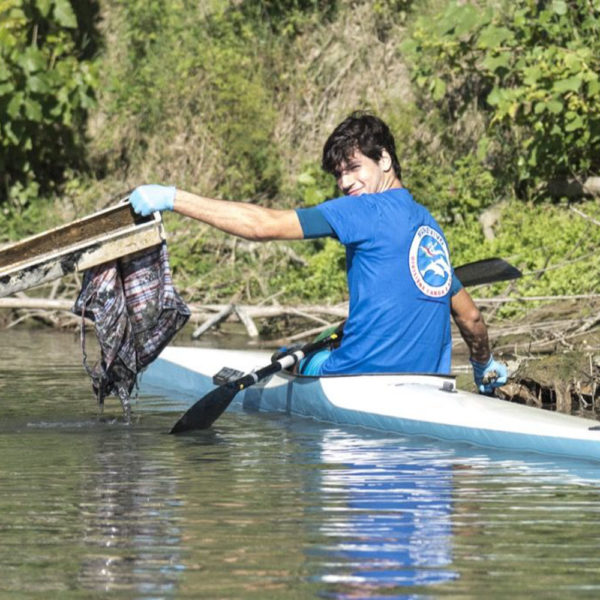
(424, 405)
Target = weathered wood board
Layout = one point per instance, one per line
(77, 246)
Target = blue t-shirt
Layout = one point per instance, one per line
(399, 281)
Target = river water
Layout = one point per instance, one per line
(267, 506)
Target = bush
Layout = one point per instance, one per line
(531, 69)
(452, 192)
(47, 83)
(562, 263)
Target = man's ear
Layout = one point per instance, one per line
(385, 162)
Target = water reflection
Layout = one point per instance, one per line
(407, 519)
(130, 531)
(387, 517)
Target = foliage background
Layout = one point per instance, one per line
(491, 102)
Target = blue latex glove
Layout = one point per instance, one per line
(489, 375)
(148, 198)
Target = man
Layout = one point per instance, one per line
(397, 259)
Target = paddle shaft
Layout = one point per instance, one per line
(285, 362)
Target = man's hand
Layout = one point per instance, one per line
(489, 375)
(149, 198)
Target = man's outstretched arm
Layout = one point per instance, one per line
(242, 219)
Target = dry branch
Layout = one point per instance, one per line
(36, 303)
(253, 311)
(212, 321)
(247, 321)
(504, 299)
(583, 215)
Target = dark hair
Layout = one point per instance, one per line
(360, 131)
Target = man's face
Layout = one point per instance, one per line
(362, 175)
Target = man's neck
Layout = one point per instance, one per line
(392, 184)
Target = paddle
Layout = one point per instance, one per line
(206, 410)
(209, 408)
(488, 270)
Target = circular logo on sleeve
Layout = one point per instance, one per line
(429, 262)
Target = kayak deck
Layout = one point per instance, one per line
(411, 404)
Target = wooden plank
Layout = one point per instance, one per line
(93, 240)
(72, 234)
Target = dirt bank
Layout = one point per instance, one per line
(553, 353)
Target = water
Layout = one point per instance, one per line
(265, 506)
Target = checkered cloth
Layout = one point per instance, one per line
(136, 312)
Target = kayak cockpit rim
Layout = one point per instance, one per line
(446, 383)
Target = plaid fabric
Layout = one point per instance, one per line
(136, 312)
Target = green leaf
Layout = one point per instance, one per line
(38, 84)
(306, 178)
(439, 89)
(573, 61)
(63, 13)
(482, 148)
(11, 136)
(532, 75)
(32, 60)
(560, 7)
(492, 36)
(313, 196)
(14, 106)
(44, 7)
(495, 97)
(532, 161)
(572, 84)
(33, 110)
(4, 71)
(409, 46)
(554, 106)
(6, 88)
(593, 87)
(493, 63)
(462, 19)
(574, 122)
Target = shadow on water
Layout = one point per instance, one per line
(266, 506)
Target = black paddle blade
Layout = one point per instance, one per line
(206, 410)
(488, 270)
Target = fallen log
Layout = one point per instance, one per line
(254, 312)
(212, 321)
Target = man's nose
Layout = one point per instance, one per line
(344, 182)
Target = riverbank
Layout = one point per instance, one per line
(552, 348)
(553, 353)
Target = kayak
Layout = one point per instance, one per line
(404, 403)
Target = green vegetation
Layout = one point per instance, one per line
(531, 72)
(490, 102)
(47, 81)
